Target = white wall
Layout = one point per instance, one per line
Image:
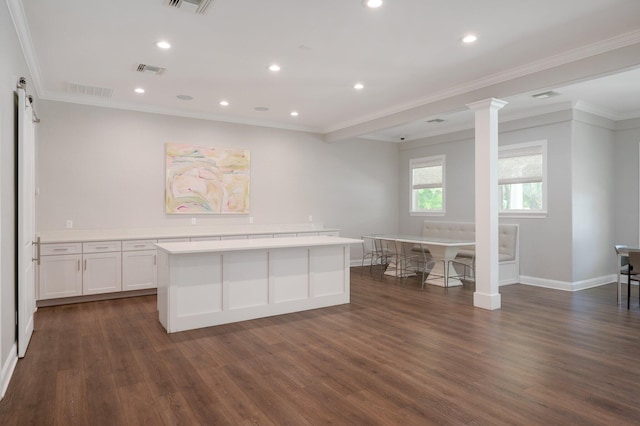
(546, 243)
(626, 160)
(105, 168)
(593, 170)
(12, 66)
(592, 190)
(538, 257)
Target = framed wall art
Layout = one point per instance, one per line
(207, 180)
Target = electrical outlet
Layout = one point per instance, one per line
(310, 218)
(193, 220)
(250, 219)
(69, 224)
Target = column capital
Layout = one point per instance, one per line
(491, 103)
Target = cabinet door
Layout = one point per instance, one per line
(102, 273)
(60, 276)
(139, 270)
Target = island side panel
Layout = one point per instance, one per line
(246, 280)
(327, 271)
(289, 275)
(201, 289)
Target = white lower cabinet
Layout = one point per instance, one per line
(139, 270)
(101, 273)
(60, 276)
(96, 267)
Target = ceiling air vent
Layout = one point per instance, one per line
(151, 69)
(83, 89)
(545, 95)
(195, 6)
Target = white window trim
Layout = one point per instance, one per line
(425, 160)
(545, 183)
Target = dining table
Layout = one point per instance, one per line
(442, 251)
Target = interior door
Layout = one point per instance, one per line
(26, 222)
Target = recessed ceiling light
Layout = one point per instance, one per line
(469, 38)
(261, 109)
(224, 103)
(274, 67)
(184, 97)
(139, 90)
(294, 113)
(358, 86)
(163, 44)
(372, 3)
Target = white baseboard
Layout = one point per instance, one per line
(7, 369)
(566, 285)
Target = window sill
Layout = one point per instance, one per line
(524, 214)
(427, 213)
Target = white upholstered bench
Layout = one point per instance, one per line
(507, 241)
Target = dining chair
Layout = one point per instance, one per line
(633, 272)
(368, 252)
(623, 264)
(406, 260)
(468, 264)
(424, 263)
(384, 254)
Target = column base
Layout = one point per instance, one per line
(487, 301)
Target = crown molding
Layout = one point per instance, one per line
(16, 11)
(550, 62)
(177, 113)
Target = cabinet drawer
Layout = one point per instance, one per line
(138, 245)
(60, 248)
(102, 246)
(205, 238)
(254, 236)
(307, 234)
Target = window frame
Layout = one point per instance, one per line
(527, 147)
(414, 163)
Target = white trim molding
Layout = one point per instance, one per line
(7, 369)
(567, 285)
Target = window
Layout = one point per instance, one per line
(521, 178)
(427, 184)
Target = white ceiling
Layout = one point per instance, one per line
(407, 53)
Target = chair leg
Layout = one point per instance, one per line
(629, 288)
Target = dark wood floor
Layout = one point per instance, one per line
(396, 355)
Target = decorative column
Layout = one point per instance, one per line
(487, 277)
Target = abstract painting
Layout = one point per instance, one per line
(207, 180)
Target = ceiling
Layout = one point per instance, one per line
(407, 53)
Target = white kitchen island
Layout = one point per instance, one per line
(207, 283)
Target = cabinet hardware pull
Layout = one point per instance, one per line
(60, 249)
(37, 258)
(102, 248)
(154, 259)
(85, 264)
(78, 264)
(139, 245)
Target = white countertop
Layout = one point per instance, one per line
(254, 244)
(81, 235)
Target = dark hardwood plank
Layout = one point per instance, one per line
(396, 354)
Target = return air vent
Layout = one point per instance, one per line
(83, 89)
(545, 95)
(194, 6)
(151, 69)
